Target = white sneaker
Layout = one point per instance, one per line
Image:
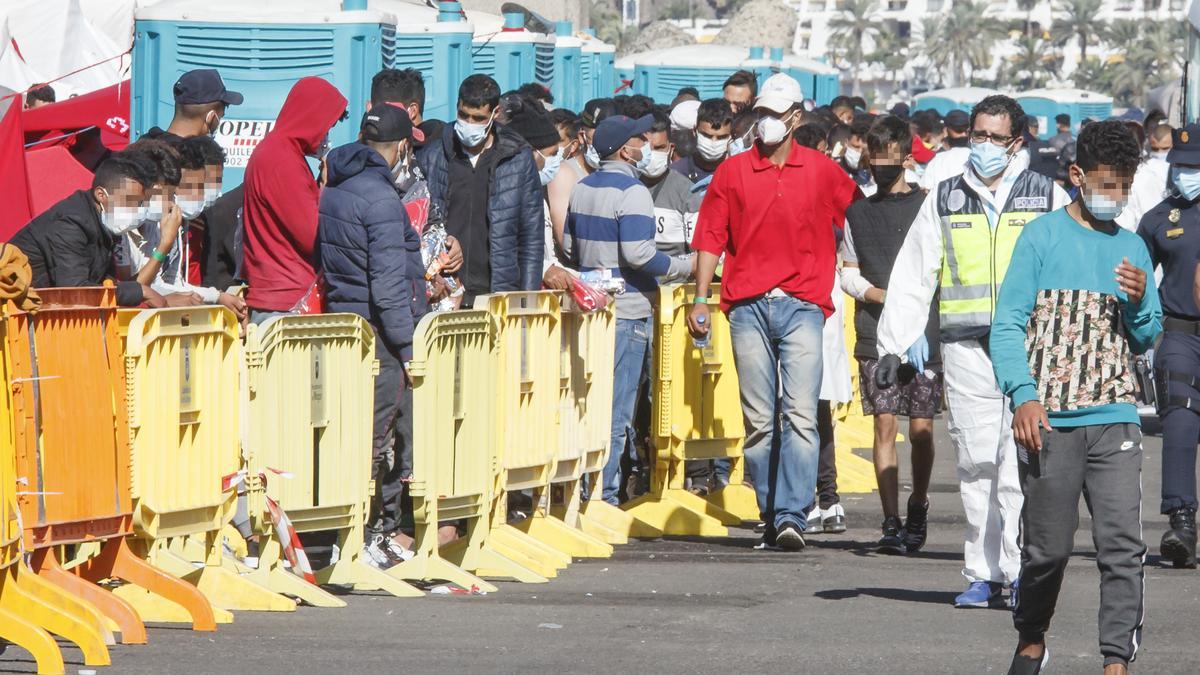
(833, 520)
(399, 551)
(373, 554)
(814, 520)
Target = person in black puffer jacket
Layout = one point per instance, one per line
(483, 178)
(366, 247)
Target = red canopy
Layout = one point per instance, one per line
(53, 175)
(107, 108)
(14, 188)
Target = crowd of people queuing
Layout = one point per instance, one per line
(1007, 278)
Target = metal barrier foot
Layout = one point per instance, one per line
(154, 594)
(599, 513)
(19, 624)
(558, 535)
(112, 607)
(672, 517)
(737, 499)
(63, 615)
(432, 567)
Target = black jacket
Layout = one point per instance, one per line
(515, 212)
(222, 259)
(363, 242)
(68, 246)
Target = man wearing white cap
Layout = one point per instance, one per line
(772, 211)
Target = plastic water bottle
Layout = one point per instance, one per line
(701, 342)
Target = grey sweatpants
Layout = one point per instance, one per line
(1104, 463)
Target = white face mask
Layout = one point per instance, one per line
(853, 157)
(710, 149)
(190, 208)
(471, 135)
(211, 195)
(771, 130)
(154, 208)
(1159, 154)
(656, 165)
(592, 157)
(550, 166)
(120, 219)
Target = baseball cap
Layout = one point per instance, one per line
(957, 119)
(204, 86)
(614, 132)
(1185, 148)
(383, 123)
(779, 93)
(683, 116)
(595, 110)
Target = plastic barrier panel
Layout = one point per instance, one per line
(308, 430)
(181, 369)
(453, 372)
(852, 429)
(696, 414)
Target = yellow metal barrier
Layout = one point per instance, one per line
(454, 370)
(310, 398)
(853, 429)
(182, 397)
(697, 414)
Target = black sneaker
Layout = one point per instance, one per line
(891, 543)
(1179, 543)
(1024, 665)
(789, 538)
(916, 526)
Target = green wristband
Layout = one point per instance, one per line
(698, 300)
(159, 256)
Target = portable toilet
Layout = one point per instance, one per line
(623, 71)
(597, 72)
(758, 63)
(504, 49)
(819, 81)
(436, 42)
(567, 86)
(660, 74)
(945, 100)
(261, 49)
(1046, 104)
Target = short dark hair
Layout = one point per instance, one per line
(743, 121)
(120, 166)
(684, 141)
(858, 102)
(688, 91)
(42, 92)
(209, 149)
(478, 91)
(999, 104)
(196, 111)
(841, 102)
(662, 121)
(887, 130)
(191, 157)
(809, 136)
(637, 106)
(164, 158)
(838, 133)
(561, 117)
(1063, 119)
(536, 91)
(861, 125)
(927, 122)
(392, 85)
(1110, 143)
(743, 78)
(715, 111)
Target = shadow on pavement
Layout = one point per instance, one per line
(900, 594)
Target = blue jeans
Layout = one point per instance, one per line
(633, 343)
(777, 350)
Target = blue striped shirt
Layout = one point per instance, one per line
(610, 226)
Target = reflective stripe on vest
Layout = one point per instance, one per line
(973, 265)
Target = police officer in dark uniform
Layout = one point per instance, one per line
(1171, 231)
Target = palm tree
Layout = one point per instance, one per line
(1080, 21)
(1033, 63)
(1093, 76)
(890, 54)
(1166, 40)
(1133, 75)
(849, 32)
(963, 40)
(1027, 6)
(1121, 34)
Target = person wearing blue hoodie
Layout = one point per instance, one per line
(372, 261)
(1075, 307)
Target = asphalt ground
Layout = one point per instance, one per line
(700, 606)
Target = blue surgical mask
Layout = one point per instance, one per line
(1187, 181)
(592, 157)
(989, 159)
(1102, 206)
(550, 167)
(471, 135)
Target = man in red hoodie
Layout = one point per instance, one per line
(280, 200)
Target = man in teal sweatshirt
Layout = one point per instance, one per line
(1075, 306)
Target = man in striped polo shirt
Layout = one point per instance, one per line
(610, 227)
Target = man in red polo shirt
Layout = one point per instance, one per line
(772, 211)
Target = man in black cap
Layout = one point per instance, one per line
(610, 230)
(594, 112)
(1171, 231)
(952, 159)
(372, 262)
(200, 101)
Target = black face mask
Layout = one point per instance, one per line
(956, 141)
(886, 175)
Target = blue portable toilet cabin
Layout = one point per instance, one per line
(819, 81)
(945, 100)
(261, 49)
(597, 73)
(1046, 104)
(567, 87)
(660, 74)
(436, 42)
(512, 55)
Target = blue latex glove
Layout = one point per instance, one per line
(918, 353)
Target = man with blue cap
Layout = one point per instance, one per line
(1171, 231)
(200, 102)
(610, 231)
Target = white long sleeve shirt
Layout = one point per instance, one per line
(1149, 188)
(138, 245)
(917, 272)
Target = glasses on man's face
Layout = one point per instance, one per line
(995, 139)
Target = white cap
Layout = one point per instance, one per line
(683, 116)
(779, 93)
